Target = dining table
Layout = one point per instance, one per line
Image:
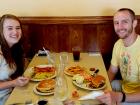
(87, 60)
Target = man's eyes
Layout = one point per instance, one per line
(123, 22)
(116, 23)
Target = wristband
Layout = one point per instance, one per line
(124, 96)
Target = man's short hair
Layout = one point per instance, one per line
(131, 12)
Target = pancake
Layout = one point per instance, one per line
(46, 85)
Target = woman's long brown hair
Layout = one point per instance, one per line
(4, 45)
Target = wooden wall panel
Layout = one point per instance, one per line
(90, 43)
(106, 37)
(76, 36)
(93, 34)
(64, 35)
(50, 37)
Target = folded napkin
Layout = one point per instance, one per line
(41, 53)
(94, 54)
(92, 95)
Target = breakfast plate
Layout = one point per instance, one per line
(73, 70)
(84, 86)
(41, 72)
(41, 93)
(45, 87)
(89, 82)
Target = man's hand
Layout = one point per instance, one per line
(110, 97)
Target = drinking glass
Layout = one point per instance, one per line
(51, 59)
(61, 86)
(76, 53)
(64, 58)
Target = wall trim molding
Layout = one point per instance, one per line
(68, 20)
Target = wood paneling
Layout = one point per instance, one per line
(93, 33)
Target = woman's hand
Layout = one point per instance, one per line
(110, 97)
(21, 81)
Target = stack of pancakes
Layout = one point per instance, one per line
(46, 86)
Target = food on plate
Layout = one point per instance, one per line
(88, 81)
(43, 72)
(46, 86)
(97, 81)
(92, 69)
(78, 78)
(75, 94)
(74, 70)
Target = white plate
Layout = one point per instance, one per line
(71, 74)
(41, 93)
(83, 86)
(30, 71)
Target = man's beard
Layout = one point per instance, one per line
(126, 33)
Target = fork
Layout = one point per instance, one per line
(27, 102)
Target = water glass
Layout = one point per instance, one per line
(61, 86)
(51, 59)
(64, 58)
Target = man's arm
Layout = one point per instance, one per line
(133, 97)
(112, 72)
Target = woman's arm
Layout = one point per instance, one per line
(20, 81)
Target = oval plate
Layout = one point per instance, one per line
(83, 86)
(69, 73)
(41, 93)
(30, 71)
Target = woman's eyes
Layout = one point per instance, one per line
(11, 28)
(18, 28)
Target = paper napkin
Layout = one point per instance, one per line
(92, 95)
(41, 53)
(94, 54)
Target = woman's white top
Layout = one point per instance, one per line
(5, 73)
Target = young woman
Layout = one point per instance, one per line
(11, 54)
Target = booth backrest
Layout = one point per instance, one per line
(92, 34)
